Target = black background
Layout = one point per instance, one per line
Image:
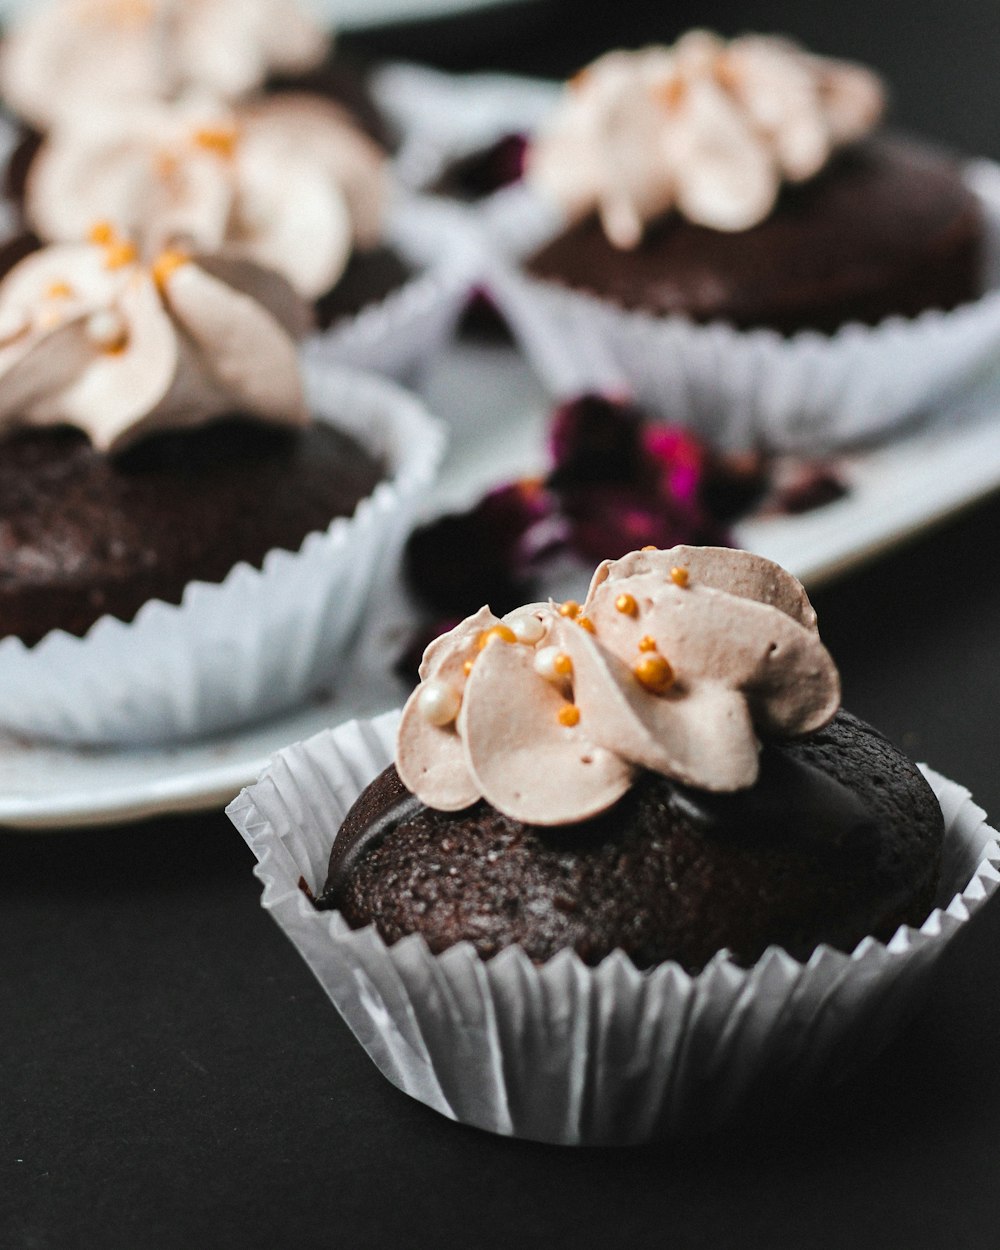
(172, 1076)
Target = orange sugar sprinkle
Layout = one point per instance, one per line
(119, 254)
(646, 643)
(680, 576)
(569, 715)
(586, 623)
(570, 608)
(221, 140)
(670, 93)
(655, 673)
(468, 666)
(650, 547)
(102, 233)
(503, 632)
(562, 664)
(627, 605)
(166, 264)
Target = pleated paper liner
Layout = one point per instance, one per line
(563, 1052)
(756, 388)
(256, 644)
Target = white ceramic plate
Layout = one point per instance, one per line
(895, 491)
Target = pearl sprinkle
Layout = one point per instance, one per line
(107, 330)
(552, 664)
(438, 703)
(527, 629)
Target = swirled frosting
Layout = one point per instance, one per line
(706, 127)
(70, 55)
(90, 336)
(288, 182)
(676, 662)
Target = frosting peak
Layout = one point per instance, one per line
(675, 662)
(93, 337)
(72, 54)
(706, 127)
(288, 182)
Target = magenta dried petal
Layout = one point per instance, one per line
(595, 439)
(608, 522)
(459, 562)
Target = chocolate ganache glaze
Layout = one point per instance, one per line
(818, 834)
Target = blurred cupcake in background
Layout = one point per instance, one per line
(743, 242)
(69, 56)
(190, 525)
(286, 181)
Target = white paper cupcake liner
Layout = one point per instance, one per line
(752, 388)
(566, 1053)
(442, 117)
(261, 641)
(398, 334)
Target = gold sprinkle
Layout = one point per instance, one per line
(654, 672)
(102, 233)
(586, 623)
(650, 547)
(167, 264)
(503, 632)
(569, 715)
(166, 165)
(646, 643)
(468, 666)
(59, 290)
(680, 576)
(627, 605)
(570, 608)
(119, 254)
(562, 664)
(218, 139)
(671, 92)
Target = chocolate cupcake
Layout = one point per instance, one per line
(741, 242)
(160, 451)
(565, 925)
(288, 182)
(735, 182)
(592, 780)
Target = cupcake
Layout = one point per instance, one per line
(162, 472)
(67, 56)
(630, 863)
(287, 181)
(741, 237)
(741, 182)
(598, 779)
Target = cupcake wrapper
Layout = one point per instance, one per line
(259, 642)
(750, 388)
(398, 334)
(442, 117)
(562, 1052)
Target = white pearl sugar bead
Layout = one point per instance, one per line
(526, 628)
(545, 663)
(438, 703)
(106, 329)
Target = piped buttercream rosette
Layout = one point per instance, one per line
(288, 182)
(709, 128)
(66, 57)
(676, 662)
(92, 336)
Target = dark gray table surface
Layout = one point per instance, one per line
(171, 1075)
